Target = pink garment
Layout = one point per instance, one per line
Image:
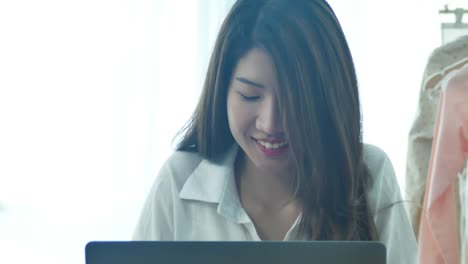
(438, 234)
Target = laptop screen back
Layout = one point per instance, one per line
(300, 252)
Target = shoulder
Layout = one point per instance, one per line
(376, 160)
(178, 168)
(171, 178)
(383, 189)
(157, 216)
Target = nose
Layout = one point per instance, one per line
(269, 119)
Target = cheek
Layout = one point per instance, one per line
(239, 115)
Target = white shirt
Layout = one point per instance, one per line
(197, 199)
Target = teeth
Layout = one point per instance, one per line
(272, 146)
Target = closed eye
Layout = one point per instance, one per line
(249, 98)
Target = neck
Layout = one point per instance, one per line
(268, 191)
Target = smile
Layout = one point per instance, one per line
(275, 145)
(272, 149)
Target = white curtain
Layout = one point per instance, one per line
(91, 94)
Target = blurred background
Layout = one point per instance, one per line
(93, 92)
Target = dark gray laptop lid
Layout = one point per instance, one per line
(297, 252)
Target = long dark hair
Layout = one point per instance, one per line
(319, 103)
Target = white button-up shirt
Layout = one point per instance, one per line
(197, 199)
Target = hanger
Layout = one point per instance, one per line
(459, 12)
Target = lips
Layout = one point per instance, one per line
(272, 147)
(272, 144)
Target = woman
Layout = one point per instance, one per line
(274, 149)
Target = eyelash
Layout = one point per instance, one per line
(249, 98)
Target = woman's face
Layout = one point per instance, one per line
(253, 113)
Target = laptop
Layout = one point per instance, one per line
(297, 252)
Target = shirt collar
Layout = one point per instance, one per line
(213, 181)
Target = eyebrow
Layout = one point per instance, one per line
(249, 82)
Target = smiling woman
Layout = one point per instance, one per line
(274, 148)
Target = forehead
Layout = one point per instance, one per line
(258, 66)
